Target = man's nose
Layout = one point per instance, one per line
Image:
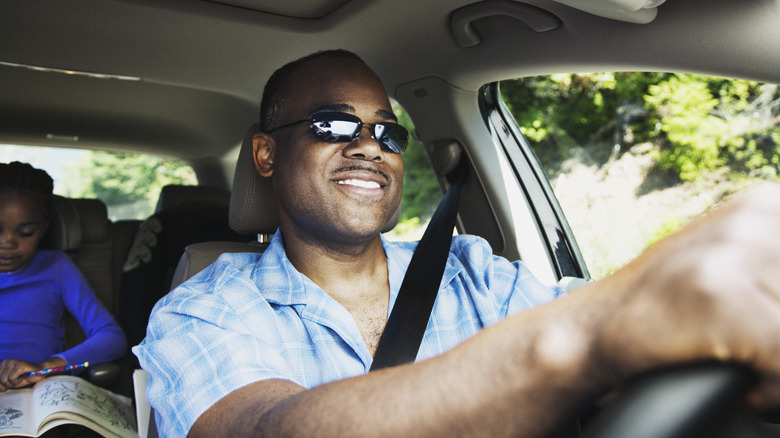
(365, 146)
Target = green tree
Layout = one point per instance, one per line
(564, 111)
(421, 190)
(700, 123)
(713, 122)
(119, 178)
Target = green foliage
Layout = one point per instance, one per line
(408, 229)
(118, 178)
(702, 123)
(670, 226)
(421, 190)
(560, 112)
(709, 123)
(683, 105)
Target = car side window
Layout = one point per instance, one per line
(421, 189)
(632, 157)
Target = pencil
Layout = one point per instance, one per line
(58, 369)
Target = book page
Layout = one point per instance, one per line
(57, 396)
(16, 416)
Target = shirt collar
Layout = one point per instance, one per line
(274, 268)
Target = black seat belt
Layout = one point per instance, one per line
(407, 322)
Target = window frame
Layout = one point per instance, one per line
(564, 253)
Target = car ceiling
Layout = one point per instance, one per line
(201, 65)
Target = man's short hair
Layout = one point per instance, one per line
(278, 86)
(22, 177)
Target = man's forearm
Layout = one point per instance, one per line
(679, 301)
(513, 379)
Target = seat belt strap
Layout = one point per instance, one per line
(406, 325)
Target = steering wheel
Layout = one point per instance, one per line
(695, 400)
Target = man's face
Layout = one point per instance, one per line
(337, 192)
(22, 224)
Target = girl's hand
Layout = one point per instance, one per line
(12, 372)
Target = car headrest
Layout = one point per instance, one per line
(173, 195)
(252, 202)
(93, 216)
(64, 232)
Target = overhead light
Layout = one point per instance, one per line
(62, 138)
(71, 72)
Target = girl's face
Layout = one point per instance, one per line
(22, 224)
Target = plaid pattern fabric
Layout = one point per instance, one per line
(249, 317)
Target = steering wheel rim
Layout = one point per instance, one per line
(702, 399)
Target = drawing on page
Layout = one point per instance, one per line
(8, 415)
(84, 397)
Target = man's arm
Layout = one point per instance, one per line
(712, 291)
(501, 382)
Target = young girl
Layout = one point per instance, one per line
(37, 286)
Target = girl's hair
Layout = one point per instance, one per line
(22, 177)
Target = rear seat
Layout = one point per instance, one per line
(95, 255)
(64, 232)
(81, 228)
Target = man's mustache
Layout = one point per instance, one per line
(354, 167)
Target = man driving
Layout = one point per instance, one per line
(281, 343)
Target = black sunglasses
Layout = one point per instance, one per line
(338, 127)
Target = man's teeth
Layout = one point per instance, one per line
(360, 183)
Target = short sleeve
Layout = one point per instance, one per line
(199, 347)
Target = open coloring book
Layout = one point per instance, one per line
(60, 400)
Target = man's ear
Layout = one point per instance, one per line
(263, 148)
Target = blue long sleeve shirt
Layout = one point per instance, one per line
(32, 302)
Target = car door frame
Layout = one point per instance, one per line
(564, 253)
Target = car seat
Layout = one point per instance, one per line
(184, 215)
(64, 234)
(81, 228)
(95, 255)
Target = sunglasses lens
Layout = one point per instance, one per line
(392, 136)
(335, 127)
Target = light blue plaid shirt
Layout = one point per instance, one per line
(249, 317)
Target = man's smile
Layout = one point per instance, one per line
(361, 177)
(360, 183)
